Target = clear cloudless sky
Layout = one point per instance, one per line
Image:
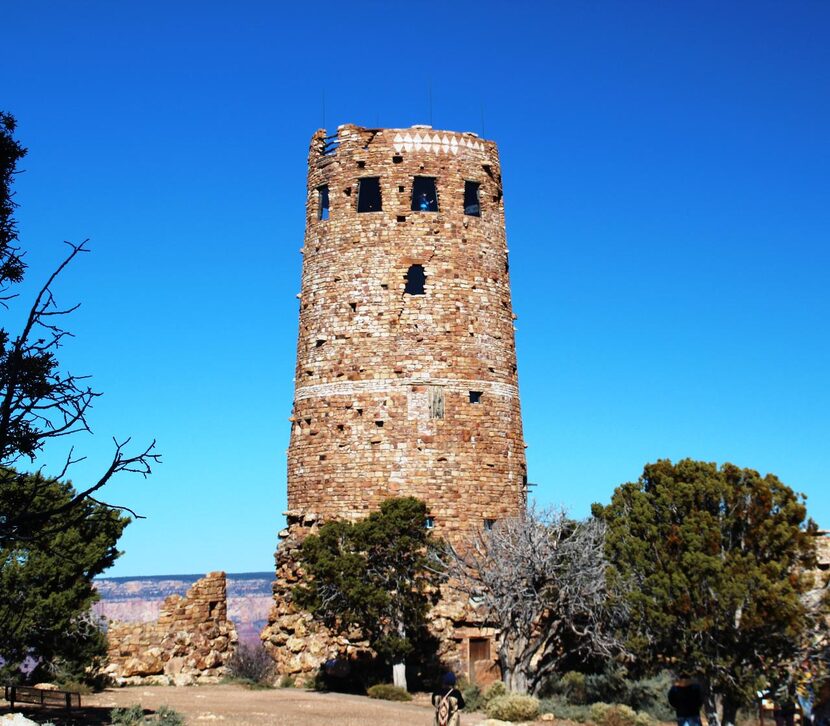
(667, 193)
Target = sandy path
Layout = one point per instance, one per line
(238, 706)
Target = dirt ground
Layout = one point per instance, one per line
(234, 705)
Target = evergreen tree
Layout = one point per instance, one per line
(713, 559)
(372, 575)
(46, 587)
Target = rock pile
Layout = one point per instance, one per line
(191, 642)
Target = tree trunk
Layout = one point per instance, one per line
(712, 708)
(730, 711)
(399, 675)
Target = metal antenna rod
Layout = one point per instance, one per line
(430, 103)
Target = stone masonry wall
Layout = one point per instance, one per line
(300, 646)
(191, 642)
(396, 393)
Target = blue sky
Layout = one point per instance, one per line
(668, 214)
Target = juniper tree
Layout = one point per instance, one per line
(714, 559)
(46, 583)
(372, 575)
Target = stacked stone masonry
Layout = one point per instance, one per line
(300, 646)
(406, 381)
(191, 642)
(398, 393)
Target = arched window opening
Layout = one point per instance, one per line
(368, 194)
(415, 280)
(424, 194)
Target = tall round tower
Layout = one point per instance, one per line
(406, 364)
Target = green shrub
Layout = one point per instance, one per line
(473, 700)
(513, 707)
(286, 681)
(572, 686)
(611, 686)
(388, 692)
(166, 716)
(617, 714)
(128, 716)
(644, 719)
(494, 690)
(563, 710)
(134, 716)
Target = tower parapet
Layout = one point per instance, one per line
(406, 381)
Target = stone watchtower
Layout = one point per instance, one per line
(406, 365)
(406, 378)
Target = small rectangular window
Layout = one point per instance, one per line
(429, 523)
(488, 525)
(323, 202)
(368, 194)
(475, 396)
(424, 194)
(472, 203)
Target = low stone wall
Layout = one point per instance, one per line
(300, 646)
(191, 642)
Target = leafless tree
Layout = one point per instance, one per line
(39, 401)
(540, 578)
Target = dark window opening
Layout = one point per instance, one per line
(368, 194)
(397, 159)
(379, 424)
(361, 164)
(488, 170)
(415, 280)
(212, 605)
(323, 202)
(401, 218)
(475, 396)
(400, 189)
(524, 480)
(347, 191)
(353, 306)
(472, 203)
(479, 649)
(424, 194)
(429, 523)
(359, 411)
(488, 524)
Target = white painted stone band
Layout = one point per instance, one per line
(383, 385)
(435, 143)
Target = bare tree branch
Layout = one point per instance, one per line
(540, 578)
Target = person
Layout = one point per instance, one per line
(448, 701)
(686, 698)
(424, 203)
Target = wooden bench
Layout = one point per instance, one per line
(42, 697)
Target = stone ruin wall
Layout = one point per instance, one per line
(191, 642)
(401, 394)
(375, 364)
